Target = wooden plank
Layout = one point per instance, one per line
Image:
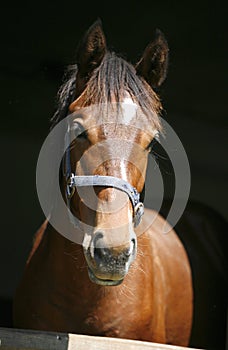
(84, 342)
(20, 339)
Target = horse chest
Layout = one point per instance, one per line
(113, 317)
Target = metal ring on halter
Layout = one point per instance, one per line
(70, 189)
(138, 213)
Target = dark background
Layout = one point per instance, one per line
(39, 39)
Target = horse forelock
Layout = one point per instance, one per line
(110, 82)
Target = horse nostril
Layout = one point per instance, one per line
(99, 251)
(100, 254)
(129, 251)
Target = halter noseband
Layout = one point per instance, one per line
(108, 181)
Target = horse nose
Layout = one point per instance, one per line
(102, 254)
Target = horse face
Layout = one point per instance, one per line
(114, 150)
(117, 149)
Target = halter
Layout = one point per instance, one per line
(74, 181)
(108, 181)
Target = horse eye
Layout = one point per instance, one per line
(80, 132)
(82, 135)
(153, 142)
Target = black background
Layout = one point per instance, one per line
(39, 39)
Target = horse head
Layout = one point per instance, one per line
(115, 118)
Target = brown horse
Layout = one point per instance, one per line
(116, 283)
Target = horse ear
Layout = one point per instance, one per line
(154, 62)
(91, 50)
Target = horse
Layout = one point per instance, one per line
(115, 282)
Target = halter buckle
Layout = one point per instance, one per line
(138, 213)
(70, 188)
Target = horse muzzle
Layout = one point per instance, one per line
(109, 265)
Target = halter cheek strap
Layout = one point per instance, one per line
(108, 181)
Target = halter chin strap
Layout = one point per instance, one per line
(108, 181)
